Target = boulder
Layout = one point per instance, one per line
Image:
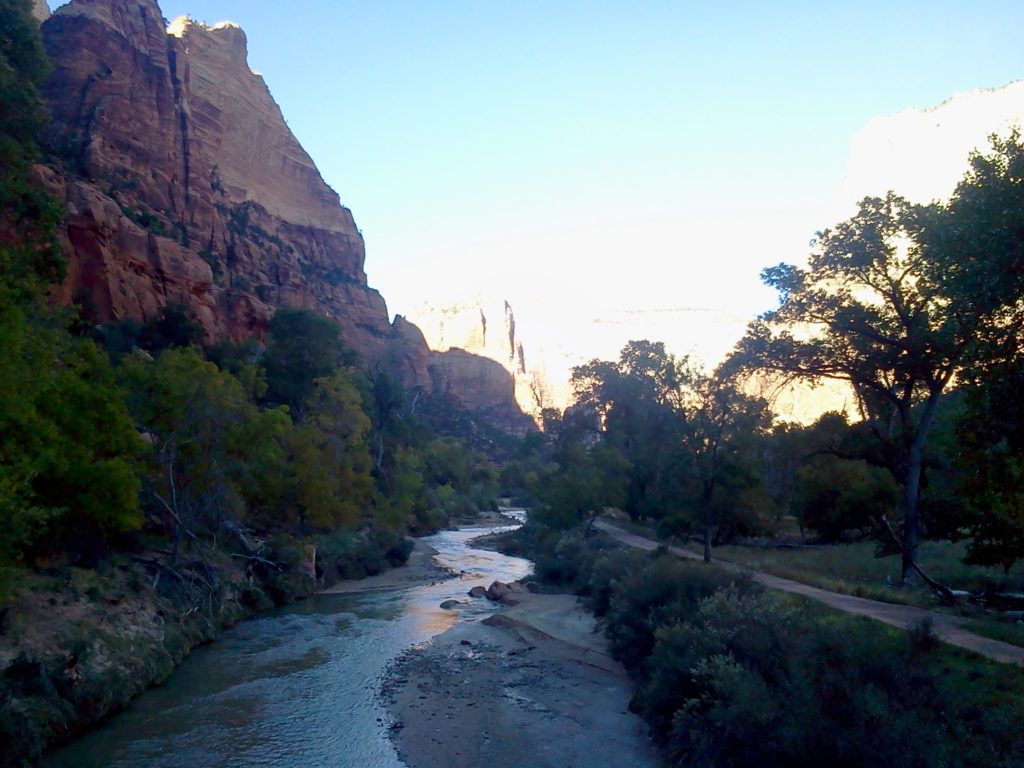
(503, 593)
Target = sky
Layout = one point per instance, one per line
(601, 154)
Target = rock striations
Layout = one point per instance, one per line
(184, 185)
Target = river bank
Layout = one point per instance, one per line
(533, 684)
(77, 645)
(300, 685)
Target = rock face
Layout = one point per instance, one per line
(540, 346)
(922, 153)
(482, 385)
(184, 185)
(174, 134)
(40, 10)
(483, 329)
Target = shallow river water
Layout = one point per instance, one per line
(298, 686)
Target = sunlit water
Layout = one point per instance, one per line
(295, 687)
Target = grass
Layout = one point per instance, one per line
(976, 679)
(853, 569)
(1006, 630)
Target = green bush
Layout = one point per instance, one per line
(727, 675)
(754, 680)
(644, 600)
(567, 563)
(356, 554)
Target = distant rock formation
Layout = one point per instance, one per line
(540, 345)
(486, 329)
(183, 184)
(922, 153)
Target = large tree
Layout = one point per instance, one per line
(68, 452)
(302, 347)
(631, 403)
(720, 472)
(896, 301)
(688, 439)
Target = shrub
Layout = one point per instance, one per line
(664, 590)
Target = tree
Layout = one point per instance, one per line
(329, 474)
(68, 472)
(990, 482)
(68, 452)
(889, 303)
(302, 347)
(206, 437)
(686, 441)
(580, 486)
(30, 260)
(979, 243)
(173, 326)
(718, 436)
(632, 403)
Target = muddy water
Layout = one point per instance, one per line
(295, 687)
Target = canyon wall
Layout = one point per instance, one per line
(184, 185)
(923, 153)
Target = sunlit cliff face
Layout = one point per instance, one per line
(921, 154)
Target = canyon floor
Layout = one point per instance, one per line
(531, 685)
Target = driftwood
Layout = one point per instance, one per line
(954, 596)
(260, 560)
(158, 569)
(209, 575)
(201, 571)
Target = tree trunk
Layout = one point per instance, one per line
(911, 521)
(912, 485)
(708, 521)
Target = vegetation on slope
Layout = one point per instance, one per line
(153, 491)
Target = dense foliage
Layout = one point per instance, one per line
(654, 436)
(728, 675)
(900, 301)
(131, 436)
(920, 309)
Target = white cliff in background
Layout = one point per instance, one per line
(922, 153)
(919, 153)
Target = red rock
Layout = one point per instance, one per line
(183, 184)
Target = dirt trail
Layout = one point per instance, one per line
(950, 629)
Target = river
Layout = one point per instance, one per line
(298, 686)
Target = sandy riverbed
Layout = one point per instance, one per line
(531, 686)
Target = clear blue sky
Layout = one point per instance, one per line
(642, 153)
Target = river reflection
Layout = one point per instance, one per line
(298, 686)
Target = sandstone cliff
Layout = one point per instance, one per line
(540, 345)
(183, 184)
(922, 153)
(488, 330)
